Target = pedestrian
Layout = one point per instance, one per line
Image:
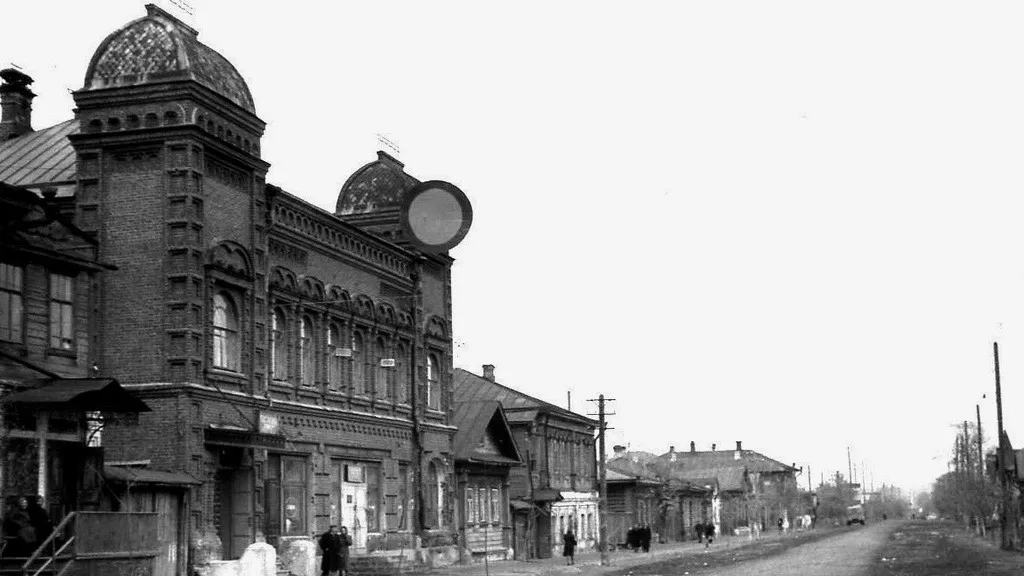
(18, 527)
(569, 547)
(645, 538)
(709, 535)
(346, 543)
(330, 546)
(698, 528)
(39, 518)
(780, 524)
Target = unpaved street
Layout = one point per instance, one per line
(850, 553)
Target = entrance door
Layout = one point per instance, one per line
(167, 534)
(543, 543)
(353, 512)
(234, 492)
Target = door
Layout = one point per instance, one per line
(234, 492)
(353, 512)
(543, 543)
(241, 512)
(167, 533)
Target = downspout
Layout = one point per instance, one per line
(414, 375)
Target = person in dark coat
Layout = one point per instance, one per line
(346, 543)
(330, 546)
(18, 527)
(569, 547)
(40, 519)
(645, 538)
(709, 535)
(698, 528)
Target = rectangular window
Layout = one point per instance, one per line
(482, 506)
(404, 503)
(470, 505)
(496, 515)
(284, 496)
(373, 498)
(11, 308)
(61, 312)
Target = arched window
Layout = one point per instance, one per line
(433, 390)
(307, 365)
(226, 343)
(400, 384)
(380, 352)
(358, 364)
(434, 504)
(278, 346)
(334, 359)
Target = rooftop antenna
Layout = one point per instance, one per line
(182, 10)
(385, 142)
(16, 66)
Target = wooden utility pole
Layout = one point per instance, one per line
(1004, 540)
(981, 456)
(602, 505)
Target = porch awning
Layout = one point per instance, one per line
(546, 495)
(243, 438)
(80, 395)
(128, 475)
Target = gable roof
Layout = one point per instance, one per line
(633, 463)
(473, 420)
(752, 460)
(472, 388)
(41, 157)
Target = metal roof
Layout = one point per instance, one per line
(473, 420)
(82, 394)
(469, 387)
(40, 157)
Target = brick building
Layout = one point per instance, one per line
(557, 488)
(297, 362)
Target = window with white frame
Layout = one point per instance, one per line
(62, 312)
(496, 507)
(381, 372)
(433, 390)
(278, 345)
(334, 358)
(11, 304)
(358, 364)
(226, 342)
(400, 374)
(307, 363)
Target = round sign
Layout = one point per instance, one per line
(436, 216)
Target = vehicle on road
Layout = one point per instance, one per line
(855, 514)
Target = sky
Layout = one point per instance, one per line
(793, 224)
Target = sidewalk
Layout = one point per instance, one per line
(589, 562)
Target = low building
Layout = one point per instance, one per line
(484, 451)
(557, 488)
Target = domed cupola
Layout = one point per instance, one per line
(372, 197)
(160, 48)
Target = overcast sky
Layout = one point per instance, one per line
(792, 224)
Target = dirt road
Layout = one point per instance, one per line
(850, 553)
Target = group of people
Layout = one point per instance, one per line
(26, 525)
(335, 544)
(639, 538)
(705, 533)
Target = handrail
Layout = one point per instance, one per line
(57, 530)
(54, 557)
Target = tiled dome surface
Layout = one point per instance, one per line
(379, 185)
(158, 47)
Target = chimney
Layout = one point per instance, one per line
(489, 372)
(15, 104)
(739, 450)
(713, 447)
(671, 453)
(619, 449)
(693, 446)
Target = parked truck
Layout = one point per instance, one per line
(855, 514)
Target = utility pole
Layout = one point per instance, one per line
(981, 456)
(1004, 541)
(602, 505)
